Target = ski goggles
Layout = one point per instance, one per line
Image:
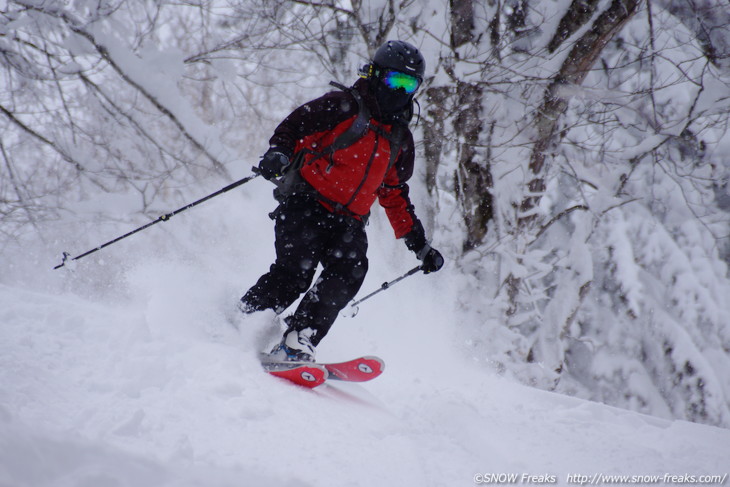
(397, 80)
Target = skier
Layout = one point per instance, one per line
(330, 159)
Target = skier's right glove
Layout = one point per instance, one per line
(273, 164)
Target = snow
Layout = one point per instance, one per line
(155, 382)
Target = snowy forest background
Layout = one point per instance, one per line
(573, 161)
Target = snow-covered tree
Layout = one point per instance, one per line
(605, 128)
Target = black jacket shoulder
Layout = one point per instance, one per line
(319, 115)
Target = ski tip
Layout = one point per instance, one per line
(376, 359)
(309, 376)
(361, 369)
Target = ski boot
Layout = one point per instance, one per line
(295, 346)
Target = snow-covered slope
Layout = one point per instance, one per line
(154, 382)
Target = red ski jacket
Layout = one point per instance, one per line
(351, 178)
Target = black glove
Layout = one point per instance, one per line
(431, 259)
(273, 163)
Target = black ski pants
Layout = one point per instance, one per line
(307, 234)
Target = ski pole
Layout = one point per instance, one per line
(383, 287)
(162, 218)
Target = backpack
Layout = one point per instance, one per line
(292, 181)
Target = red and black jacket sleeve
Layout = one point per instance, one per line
(393, 197)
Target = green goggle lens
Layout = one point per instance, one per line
(395, 80)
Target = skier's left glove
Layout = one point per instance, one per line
(431, 259)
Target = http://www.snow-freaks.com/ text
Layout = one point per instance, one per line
(599, 479)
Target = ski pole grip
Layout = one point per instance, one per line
(257, 172)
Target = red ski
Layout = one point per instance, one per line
(357, 370)
(310, 374)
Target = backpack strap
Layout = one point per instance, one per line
(359, 127)
(395, 140)
(362, 123)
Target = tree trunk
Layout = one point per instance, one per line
(434, 134)
(581, 58)
(473, 179)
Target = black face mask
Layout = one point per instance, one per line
(391, 102)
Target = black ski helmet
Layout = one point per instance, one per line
(400, 56)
